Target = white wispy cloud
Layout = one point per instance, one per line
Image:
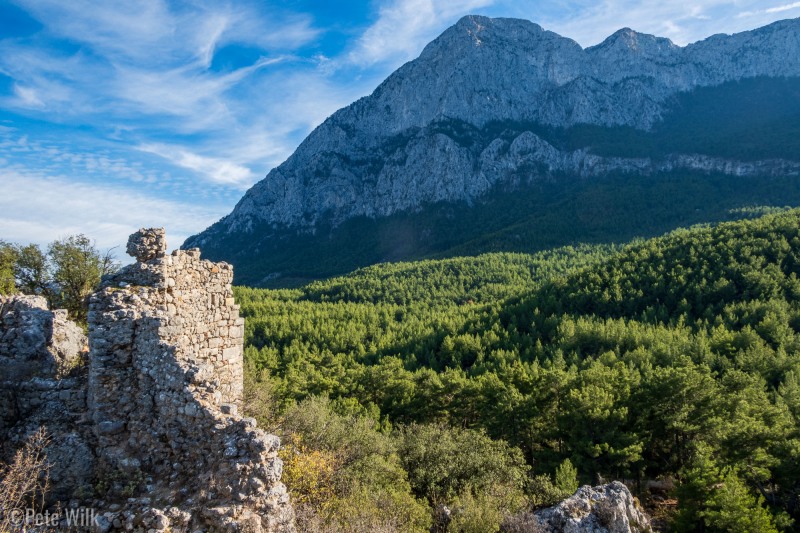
(143, 71)
(780, 9)
(39, 159)
(150, 62)
(218, 170)
(770, 10)
(157, 32)
(27, 97)
(39, 209)
(197, 98)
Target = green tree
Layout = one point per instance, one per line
(719, 499)
(8, 261)
(698, 480)
(566, 478)
(77, 267)
(32, 271)
(732, 508)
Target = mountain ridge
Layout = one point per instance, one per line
(398, 149)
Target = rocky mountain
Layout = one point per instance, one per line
(495, 104)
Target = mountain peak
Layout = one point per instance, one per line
(628, 39)
(434, 130)
(481, 29)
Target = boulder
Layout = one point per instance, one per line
(607, 508)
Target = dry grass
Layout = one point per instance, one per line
(25, 480)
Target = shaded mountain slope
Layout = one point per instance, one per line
(501, 104)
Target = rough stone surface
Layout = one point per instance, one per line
(165, 386)
(35, 341)
(400, 147)
(41, 385)
(147, 244)
(604, 509)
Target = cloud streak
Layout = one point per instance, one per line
(217, 170)
(38, 209)
(771, 10)
(781, 9)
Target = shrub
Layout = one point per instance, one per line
(24, 481)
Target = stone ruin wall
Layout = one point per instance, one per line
(165, 390)
(161, 401)
(166, 343)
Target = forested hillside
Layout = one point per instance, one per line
(673, 357)
(546, 214)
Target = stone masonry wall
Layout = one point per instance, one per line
(165, 390)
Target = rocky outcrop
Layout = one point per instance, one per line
(604, 509)
(147, 244)
(408, 143)
(35, 341)
(165, 391)
(42, 385)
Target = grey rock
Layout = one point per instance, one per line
(110, 427)
(385, 152)
(228, 408)
(102, 524)
(147, 244)
(603, 509)
(38, 347)
(35, 341)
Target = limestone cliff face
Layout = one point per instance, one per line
(392, 150)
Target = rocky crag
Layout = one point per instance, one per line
(42, 385)
(157, 417)
(458, 121)
(609, 508)
(35, 341)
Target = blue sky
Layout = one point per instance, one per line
(121, 114)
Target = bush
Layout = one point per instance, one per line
(25, 480)
(444, 462)
(344, 474)
(544, 492)
(485, 511)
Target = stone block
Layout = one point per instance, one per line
(228, 354)
(147, 244)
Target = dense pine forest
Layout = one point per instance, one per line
(498, 383)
